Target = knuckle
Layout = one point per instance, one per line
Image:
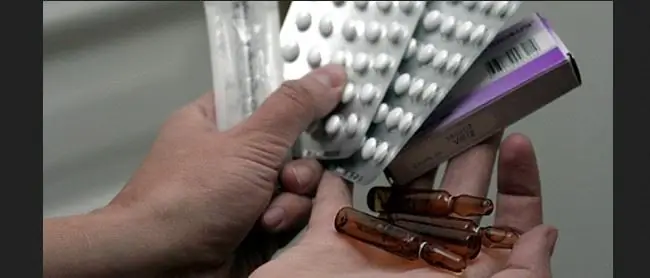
(174, 119)
(297, 96)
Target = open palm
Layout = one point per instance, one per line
(322, 252)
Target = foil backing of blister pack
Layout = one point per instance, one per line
(369, 38)
(447, 41)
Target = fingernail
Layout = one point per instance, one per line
(552, 236)
(273, 217)
(331, 76)
(303, 174)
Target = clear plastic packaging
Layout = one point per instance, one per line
(245, 56)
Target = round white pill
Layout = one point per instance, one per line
(464, 66)
(290, 51)
(463, 31)
(382, 62)
(349, 30)
(348, 93)
(448, 25)
(453, 63)
(384, 5)
(416, 87)
(368, 93)
(437, 98)
(406, 122)
(360, 62)
(303, 21)
(417, 122)
(425, 53)
(411, 49)
(369, 148)
(432, 20)
(512, 8)
(381, 114)
(393, 117)
(500, 8)
(380, 152)
(440, 59)
(373, 31)
(484, 6)
(429, 92)
(361, 5)
(391, 155)
(352, 124)
(314, 58)
(338, 58)
(402, 84)
(477, 35)
(406, 6)
(470, 5)
(333, 125)
(325, 26)
(488, 37)
(396, 33)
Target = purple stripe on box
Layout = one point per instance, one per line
(506, 84)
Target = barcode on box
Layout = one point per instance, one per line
(513, 57)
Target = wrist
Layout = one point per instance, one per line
(169, 240)
(154, 241)
(109, 242)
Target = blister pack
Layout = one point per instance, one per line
(369, 38)
(447, 41)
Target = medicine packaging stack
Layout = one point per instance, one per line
(401, 57)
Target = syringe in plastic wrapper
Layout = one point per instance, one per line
(245, 57)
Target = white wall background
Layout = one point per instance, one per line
(113, 71)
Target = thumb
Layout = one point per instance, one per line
(297, 103)
(531, 256)
(332, 195)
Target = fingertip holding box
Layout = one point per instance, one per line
(526, 67)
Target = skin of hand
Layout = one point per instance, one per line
(322, 252)
(194, 205)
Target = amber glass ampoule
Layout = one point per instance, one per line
(462, 242)
(499, 237)
(377, 232)
(394, 239)
(445, 222)
(427, 202)
(436, 255)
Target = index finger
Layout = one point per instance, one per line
(333, 194)
(519, 198)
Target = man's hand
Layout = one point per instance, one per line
(322, 252)
(199, 194)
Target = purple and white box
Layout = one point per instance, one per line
(526, 67)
